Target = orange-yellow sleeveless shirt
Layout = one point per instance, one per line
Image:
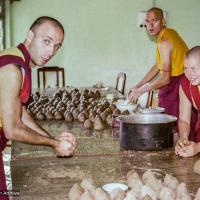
(178, 52)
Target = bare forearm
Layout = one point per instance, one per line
(28, 121)
(149, 76)
(24, 134)
(184, 129)
(159, 82)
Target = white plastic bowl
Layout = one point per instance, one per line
(122, 105)
(142, 100)
(109, 187)
(153, 110)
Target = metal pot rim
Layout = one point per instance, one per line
(147, 118)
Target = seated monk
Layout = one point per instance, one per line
(189, 92)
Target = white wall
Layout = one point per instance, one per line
(102, 37)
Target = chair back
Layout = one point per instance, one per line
(120, 82)
(54, 69)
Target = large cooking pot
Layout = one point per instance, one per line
(146, 131)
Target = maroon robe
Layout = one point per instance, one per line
(24, 95)
(193, 94)
(168, 96)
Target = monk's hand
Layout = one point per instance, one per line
(66, 144)
(132, 89)
(134, 94)
(181, 143)
(66, 136)
(190, 150)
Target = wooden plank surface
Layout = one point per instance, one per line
(38, 174)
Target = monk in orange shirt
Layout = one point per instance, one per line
(166, 72)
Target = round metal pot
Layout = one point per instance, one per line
(146, 131)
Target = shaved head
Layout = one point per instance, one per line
(41, 20)
(192, 65)
(158, 11)
(193, 53)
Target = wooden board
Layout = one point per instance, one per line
(38, 174)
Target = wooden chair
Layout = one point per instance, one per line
(150, 99)
(120, 82)
(51, 69)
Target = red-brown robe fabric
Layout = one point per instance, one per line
(168, 96)
(193, 95)
(24, 95)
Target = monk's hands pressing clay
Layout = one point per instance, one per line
(66, 144)
(190, 149)
(186, 148)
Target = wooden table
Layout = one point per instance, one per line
(38, 174)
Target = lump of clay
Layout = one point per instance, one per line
(58, 115)
(113, 107)
(87, 195)
(88, 184)
(75, 113)
(69, 117)
(82, 117)
(88, 124)
(116, 112)
(92, 116)
(65, 145)
(109, 120)
(91, 94)
(134, 182)
(100, 195)
(75, 192)
(147, 193)
(117, 194)
(146, 197)
(98, 123)
(97, 94)
(170, 182)
(196, 167)
(100, 110)
(40, 116)
(133, 173)
(130, 196)
(125, 112)
(167, 194)
(150, 179)
(86, 113)
(49, 116)
(182, 192)
(103, 116)
(197, 196)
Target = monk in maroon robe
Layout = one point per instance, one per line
(189, 92)
(44, 39)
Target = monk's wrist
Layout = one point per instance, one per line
(184, 136)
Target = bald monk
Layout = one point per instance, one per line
(43, 40)
(166, 72)
(189, 141)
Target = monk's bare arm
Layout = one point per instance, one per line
(28, 121)
(183, 123)
(165, 50)
(162, 78)
(11, 110)
(149, 76)
(185, 108)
